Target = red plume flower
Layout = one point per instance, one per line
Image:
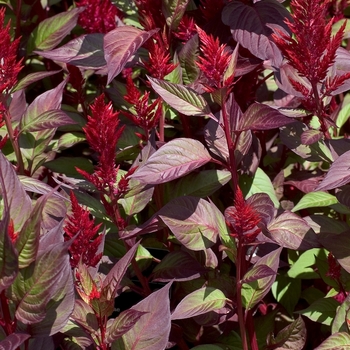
(186, 29)
(99, 15)
(86, 244)
(102, 133)
(9, 66)
(214, 61)
(242, 219)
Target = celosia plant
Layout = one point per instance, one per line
(174, 175)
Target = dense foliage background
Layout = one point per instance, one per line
(174, 174)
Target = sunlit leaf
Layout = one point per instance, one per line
(315, 200)
(336, 341)
(199, 302)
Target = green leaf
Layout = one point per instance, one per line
(255, 291)
(287, 292)
(67, 166)
(321, 311)
(70, 139)
(339, 323)
(261, 183)
(315, 200)
(337, 341)
(173, 11)
(52, 30)
(32, 78)
(182, 98)
(302, 267)
(207, 347)
(199, 302)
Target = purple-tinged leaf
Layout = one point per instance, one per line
(187, 57)
(177, 266)
(120, 44)
(263, 205)
(250, 26)
(18, 105)
(52, 30)
(215, 139)
(231, 68)
(308, 137)
(41, 343)
(52, 237)
(305, 185)
(16, 200)
(339, 245)
(180, 97)
(112, 281)
(33, 78)
(84, 315)
(291, 337)
(48, 120)
(199, 302)
(341, 66)
(338, 174)
(173, 11)
(291, 231)
(122, 324)
(54, 211)
(343, 196)
(262, 117)
(49, 100)
(339, 323)
(255, 291)
(336, 341)
(175, 159)
(134, 204)
(85, 51)
(258, 272)
(13, 341)
(152, 330)
(192, 221)
(46, 286)
(8, 255)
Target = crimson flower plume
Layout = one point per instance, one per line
(9, 66)
(102, 133)
(242, 219)
(186, 29)
(83, 229)
(99, 15)
(214, 60)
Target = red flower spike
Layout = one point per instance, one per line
(123, 184)
(9, 66)
(334, 267)
(132, 92)
(150, 13)
(186, 29)
(102, 133)
(158, 65)
(84, 246)
(242, 219)
(214, 61)
(99, 16)
(11, 231)
(311, 51)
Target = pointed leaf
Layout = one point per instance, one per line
(52, 30)
(32, 78)
(321, 311)
(178, 266)
(338, 174)
(13, 193)
(47, 120)
(37, 285)
(336, 341)
(291, 337)
(199, 302)
(45, 102)
(122, 324)
(173, 160)
(251, 26)
(192, 221)
(152, 330)
(187, 57)
(291, 231)
(13, 341)
(308, 137)
(180, 97)
(255, 291)
(257, 272)
(315, 200)
(262, 117)
(120, 44)
(112, 281)
(339, 323)
(85, 51)
(173, 11)
(8, 256)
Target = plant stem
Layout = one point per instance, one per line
(6, 322)
(14, 143)
(240, 265)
